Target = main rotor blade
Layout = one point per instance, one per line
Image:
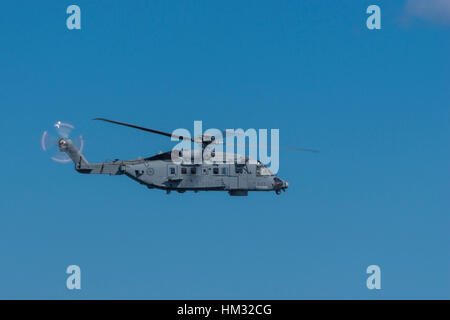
(147, 129)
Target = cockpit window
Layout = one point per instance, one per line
(262, 170)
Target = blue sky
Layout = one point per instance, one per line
(376, 103)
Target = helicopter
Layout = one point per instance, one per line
(173, 170)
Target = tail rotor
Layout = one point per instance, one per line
(52, 142)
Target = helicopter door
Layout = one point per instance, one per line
(241, 172)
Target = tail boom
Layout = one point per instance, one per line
(83, 166)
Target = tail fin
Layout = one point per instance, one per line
(67, 146)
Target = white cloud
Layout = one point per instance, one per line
(433, 10)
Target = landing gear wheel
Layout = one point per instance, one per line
(277, 192)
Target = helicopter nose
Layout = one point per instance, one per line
(280, 183)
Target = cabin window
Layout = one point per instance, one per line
(216, 170)
(224, 171)
(262, 170)
(193, 170)
(183, 171)
(172, 170)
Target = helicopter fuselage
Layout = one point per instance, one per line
(161, 172)
(235, 178)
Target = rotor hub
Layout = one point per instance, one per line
(62, 143)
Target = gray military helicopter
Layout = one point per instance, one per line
(173, 170)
